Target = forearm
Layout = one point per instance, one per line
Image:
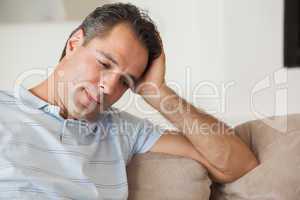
(211, 137)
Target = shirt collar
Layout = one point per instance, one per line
(28, 99)
(31, 101)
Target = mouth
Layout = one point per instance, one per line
(91, 97)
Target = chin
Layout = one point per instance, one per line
(90, 117)
(81, 108)
(91, 114)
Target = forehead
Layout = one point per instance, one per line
(124, 47)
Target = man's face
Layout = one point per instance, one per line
(99, 73)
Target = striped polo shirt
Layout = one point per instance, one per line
(44, 156)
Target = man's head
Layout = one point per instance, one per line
(104, 56)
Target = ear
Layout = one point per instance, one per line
(74, 42)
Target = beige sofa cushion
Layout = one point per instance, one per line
(157, 176)
(276, 142)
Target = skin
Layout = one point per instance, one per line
(92, 82)
(86, 70)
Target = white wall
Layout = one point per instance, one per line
(30, 11)
(216, 43)
(191, 32)
(253, 36)
(26, 47)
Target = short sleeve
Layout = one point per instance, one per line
(147, 136)
(141, 132)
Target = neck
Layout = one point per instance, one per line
(47, 91)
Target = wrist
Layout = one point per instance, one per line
(154, 97)
(149, 89)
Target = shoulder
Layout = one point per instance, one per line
(126, 122)
(118, 115)
(9, 106)
(7, 99)
(6, 96)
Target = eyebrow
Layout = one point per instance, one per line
(111, 58)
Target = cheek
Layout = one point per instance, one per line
(96, 74)
(79, 100)
(89, 73)
(85, 67)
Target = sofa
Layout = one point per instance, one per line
(274, 140)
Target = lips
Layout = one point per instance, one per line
(91, 97)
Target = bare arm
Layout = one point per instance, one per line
(218, 148)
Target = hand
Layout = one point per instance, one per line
(154, 78)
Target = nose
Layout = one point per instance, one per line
(109, 82)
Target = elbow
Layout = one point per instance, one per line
(231, 174)
(237, 162)
(253, 163)
(230, 161)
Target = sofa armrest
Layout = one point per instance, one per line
(276, 143)
(157, 176)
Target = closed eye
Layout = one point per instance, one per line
(107, 66)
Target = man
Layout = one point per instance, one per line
(62, 139)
